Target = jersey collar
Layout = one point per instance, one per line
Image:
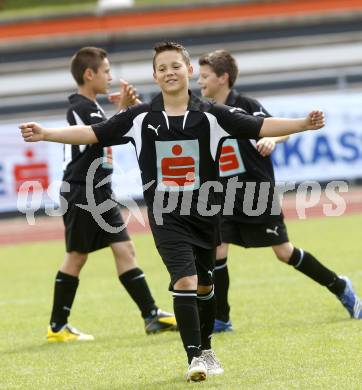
(77, 98)
(194, 103)
(231, 99)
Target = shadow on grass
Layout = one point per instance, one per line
(136, 342)
(35, 348)
(176, 382)
(43, 347)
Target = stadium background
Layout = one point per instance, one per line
(293, 55)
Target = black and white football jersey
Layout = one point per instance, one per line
(78, 158)
(178, 159)
(239, 158)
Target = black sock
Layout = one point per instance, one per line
(310, 266)
(207, 310)
(64, 292)
(221, 286)
(135, 283)
(188, 321)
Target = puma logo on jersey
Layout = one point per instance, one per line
(96, 114)
(155, 129)
(237, 109)
(271, 231)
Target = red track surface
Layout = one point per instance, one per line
(51, 228)
(141, 20)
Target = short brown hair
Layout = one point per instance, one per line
(87, 57)
(221, 62)
(170, 46)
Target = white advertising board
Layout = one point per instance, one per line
(42, 163)
(335, 152)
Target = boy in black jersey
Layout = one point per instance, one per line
(218, 72)
(177, 138)
(91, 71)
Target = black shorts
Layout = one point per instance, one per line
(82, 232)
(254, 235)
(184, 259)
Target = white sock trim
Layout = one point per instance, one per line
(191, 294)
(301, 258)
(206, 297)
(217, 267)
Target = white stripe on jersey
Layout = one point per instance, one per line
(216, 133)
(67, 155)
(184, 121)
(166, 117)
(135, 132)
(68, 148)
(100, 109)
(79, 121)
(253, 142)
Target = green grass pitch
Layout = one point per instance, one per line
(290, 333)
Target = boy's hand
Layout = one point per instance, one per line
(265, 146)
(315, 120)
(32, 132)
(126, 97)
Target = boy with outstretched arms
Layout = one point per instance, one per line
(218, 72)
(91, 71)
(177, 139)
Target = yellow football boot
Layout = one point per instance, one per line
(67, 334)
(161, 322)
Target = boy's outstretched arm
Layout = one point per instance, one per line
(76, 135)
(273, 127)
